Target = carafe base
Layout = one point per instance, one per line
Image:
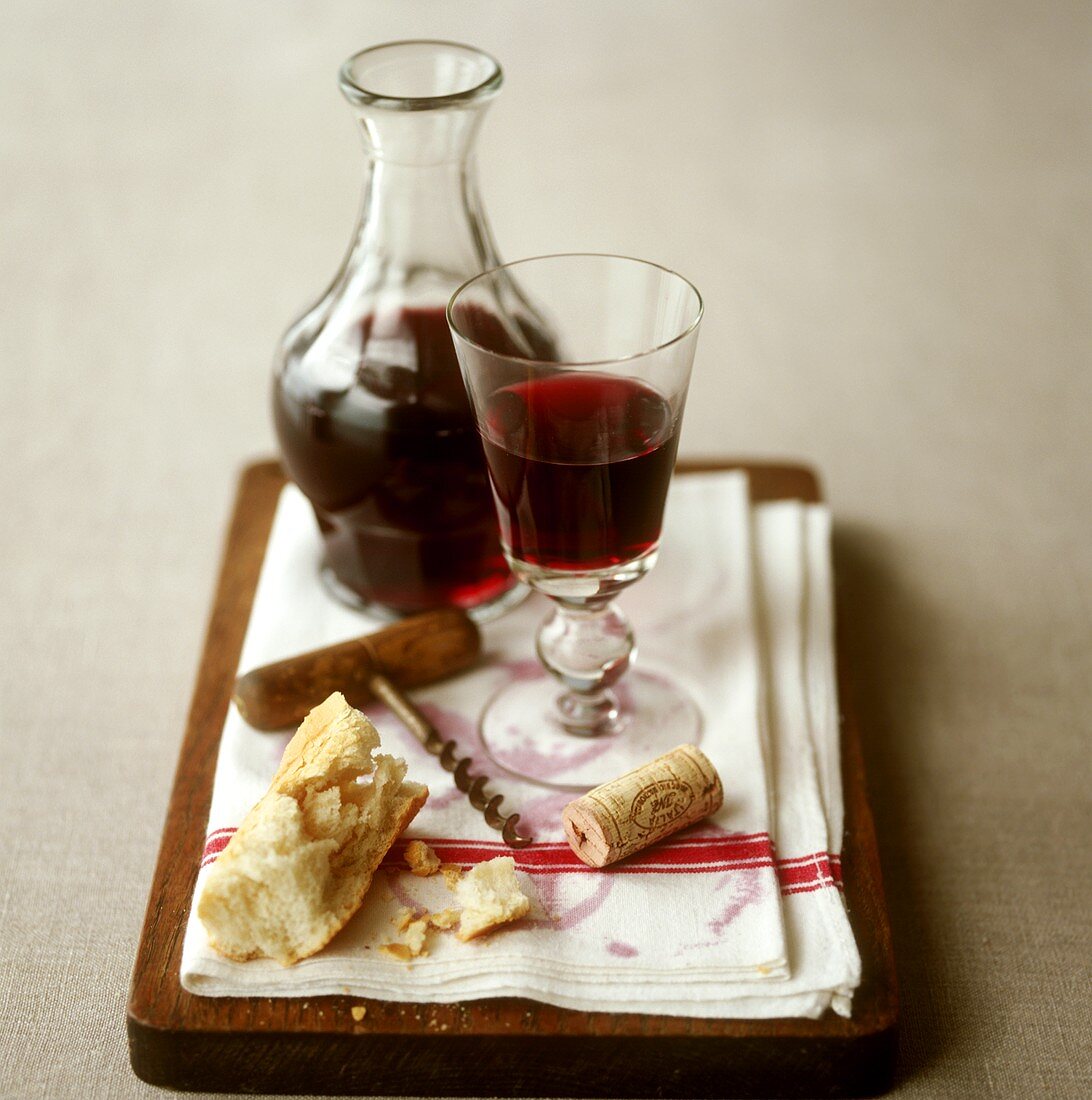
(484, 612)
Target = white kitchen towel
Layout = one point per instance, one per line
(695, 613)
(733, 918)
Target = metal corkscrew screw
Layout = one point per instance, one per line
(446, 751)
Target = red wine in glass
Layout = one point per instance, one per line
(580, 464)
(392, 464)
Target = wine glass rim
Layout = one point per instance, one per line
(695, 321)
(356, 91)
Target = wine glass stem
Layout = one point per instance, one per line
(587, 647)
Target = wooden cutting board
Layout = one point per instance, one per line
(500, 1047)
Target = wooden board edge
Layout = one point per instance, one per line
(180, 848)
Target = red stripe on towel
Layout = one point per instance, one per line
(688, 855)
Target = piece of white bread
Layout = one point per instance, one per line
(490, 896)
(302, 860)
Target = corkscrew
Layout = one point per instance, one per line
(473, 786)
(409, 653)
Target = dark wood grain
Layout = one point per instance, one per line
(501, 1047)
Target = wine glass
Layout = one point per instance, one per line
(579, 400)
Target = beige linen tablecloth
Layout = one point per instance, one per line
(887, 208)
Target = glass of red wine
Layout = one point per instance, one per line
(580, 434)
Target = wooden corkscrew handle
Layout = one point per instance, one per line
(410, 653)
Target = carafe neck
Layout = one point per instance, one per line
(420, 106)
(436, 138)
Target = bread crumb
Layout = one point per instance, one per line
(421, 859)
(397, 951)
(445, 919)
(414, 936)
(452, 873)
(491, 896)
(359, 1012)
(412, 943)
(403, 919)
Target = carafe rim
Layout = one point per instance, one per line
(354, 90)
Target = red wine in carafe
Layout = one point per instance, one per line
(392, 464)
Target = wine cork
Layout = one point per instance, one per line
(643, 806)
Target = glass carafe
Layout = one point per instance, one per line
(370, 409)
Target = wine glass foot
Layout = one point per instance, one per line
(523, 731)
